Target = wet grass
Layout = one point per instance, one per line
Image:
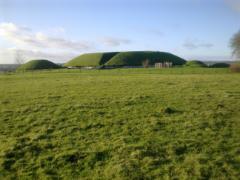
(120, 124)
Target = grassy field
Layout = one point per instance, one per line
(120, 124)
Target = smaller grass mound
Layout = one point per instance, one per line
(38, 65)
(220, 65)
(195, 63)
(90, 59)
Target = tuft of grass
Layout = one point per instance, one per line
(169, 110)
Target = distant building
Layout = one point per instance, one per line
(164, 65)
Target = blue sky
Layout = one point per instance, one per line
(61, 29)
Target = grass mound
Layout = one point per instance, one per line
(90, 59)
(38, 64)
(136, 58)
(220, 65)
(195, 63)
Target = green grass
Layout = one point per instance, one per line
(180, 123)
(91, 59)
(135, 58)
(38, 65)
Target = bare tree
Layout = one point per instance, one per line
(19, 57)
(145, 63)
(235, 44)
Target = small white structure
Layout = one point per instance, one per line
(163, 65)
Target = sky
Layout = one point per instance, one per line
(59, 30)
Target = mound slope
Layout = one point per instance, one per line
(38, 64)
(91, 59)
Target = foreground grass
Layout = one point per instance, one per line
(120, 124)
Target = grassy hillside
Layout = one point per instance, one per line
(91, 59)
(38, 64)
(135, 58)
(195, 64)
(179, 123)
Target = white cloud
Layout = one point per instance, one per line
(8, 56)
(48, 44)
(34, 45)
(25, 37)
(195, 44)
(113, 42)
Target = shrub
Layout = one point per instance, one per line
(235, 67)
(235, 44)
(145, 63)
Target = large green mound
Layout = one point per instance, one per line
(131, 58)
(136, 58)
(220, 65)
(195, 63)
(38, 64)
(91, 59)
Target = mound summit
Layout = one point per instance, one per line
(91, 59)
(129, 58)
(38, 64)
(195, 63)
